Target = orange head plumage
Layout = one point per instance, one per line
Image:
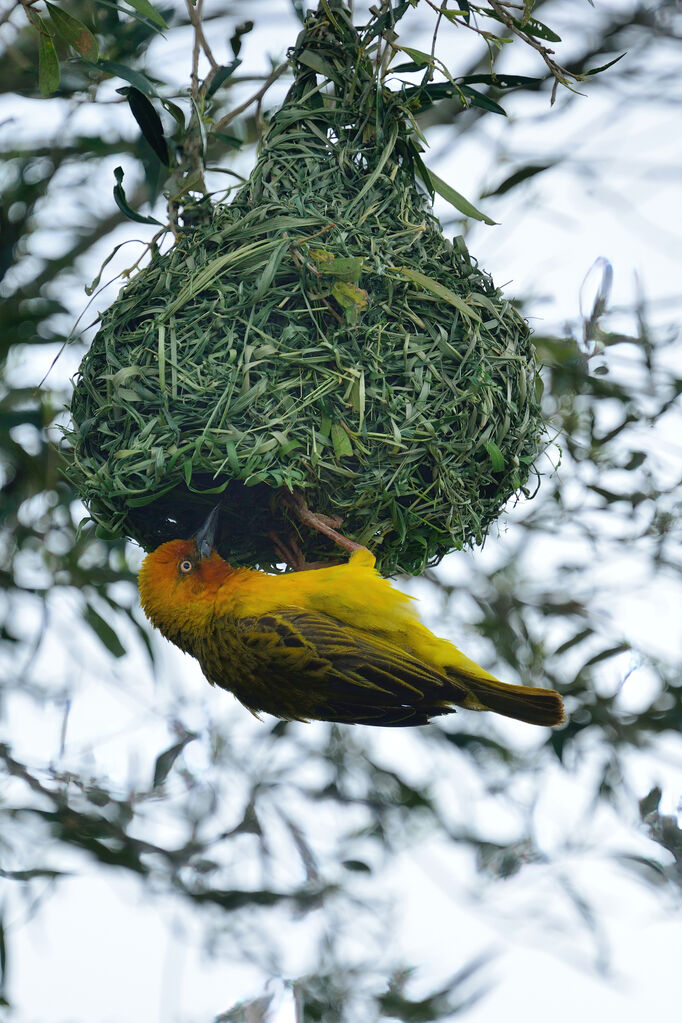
(179, 583)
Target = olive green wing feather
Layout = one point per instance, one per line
(299, 664)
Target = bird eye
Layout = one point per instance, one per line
(186, 566)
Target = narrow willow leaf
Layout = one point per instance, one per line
(605, 655)
(341, 442)
(89, 288)
(464, 12)
(579, 637)
(231, 140)
(165, 760)
(145, 8)
(128, 74)
(314, 61)
(222, 75)
(239, 32)
(522, 174)
(148, 120)
(74, 32)
(48, 61)
(457, 200)
(431, 91)
(351, 298)
(420, 58)
(122, 202)
(103, 631)
(501, 81)
(532, 27)
(175, 111)
(346, 268)
(495, 455)
(603, 67)
(479, 99)
(536, 28)
(387, 20)
(649, 803)
(436, 288)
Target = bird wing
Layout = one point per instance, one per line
(303, 664)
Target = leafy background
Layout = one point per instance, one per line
(335, 873)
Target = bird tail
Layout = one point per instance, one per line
(524, 703)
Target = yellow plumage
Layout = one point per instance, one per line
(335, 644)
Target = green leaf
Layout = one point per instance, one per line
(431, 91)
(532, 27)
(128, 74)
(436, 288)
(48, 61)
(420, 58)
(461, 10)
(314, 61)
(645, 867)
(604, 655)
(636, 459)
(236, 38)
(165, 760)
(409, 65)
(597, 70)
(122, 202)
(174, 110)
(522, 174)
(649, 803)
(457, 200)
(341, 441)
(579, 637)
(495, 455)
(346, 268)
(357, 866)
(501, 81)
(222, 75)
(351, 298)
(479, 99)
(3, 960)
(74, 32)
(103, 631)
(230, 140)
(386, 20)
(148, 120)
(144, 8)
(89, 288)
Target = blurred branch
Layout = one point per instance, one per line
(256, 98)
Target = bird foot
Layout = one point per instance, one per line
(325, 524)
(291, 554)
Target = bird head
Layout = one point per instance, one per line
(179, 582)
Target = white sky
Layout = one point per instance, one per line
(103, 949)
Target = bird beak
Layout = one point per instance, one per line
(205, 536)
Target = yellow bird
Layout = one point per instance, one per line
(332, 644)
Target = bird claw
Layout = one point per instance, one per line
(292, 555)
(325, 524)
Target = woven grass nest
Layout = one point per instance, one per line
(316, 335)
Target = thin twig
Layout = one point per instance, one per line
(256, 98)
(195, 16)
(558, 72)
(435, 37)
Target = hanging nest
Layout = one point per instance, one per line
(317, 334)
